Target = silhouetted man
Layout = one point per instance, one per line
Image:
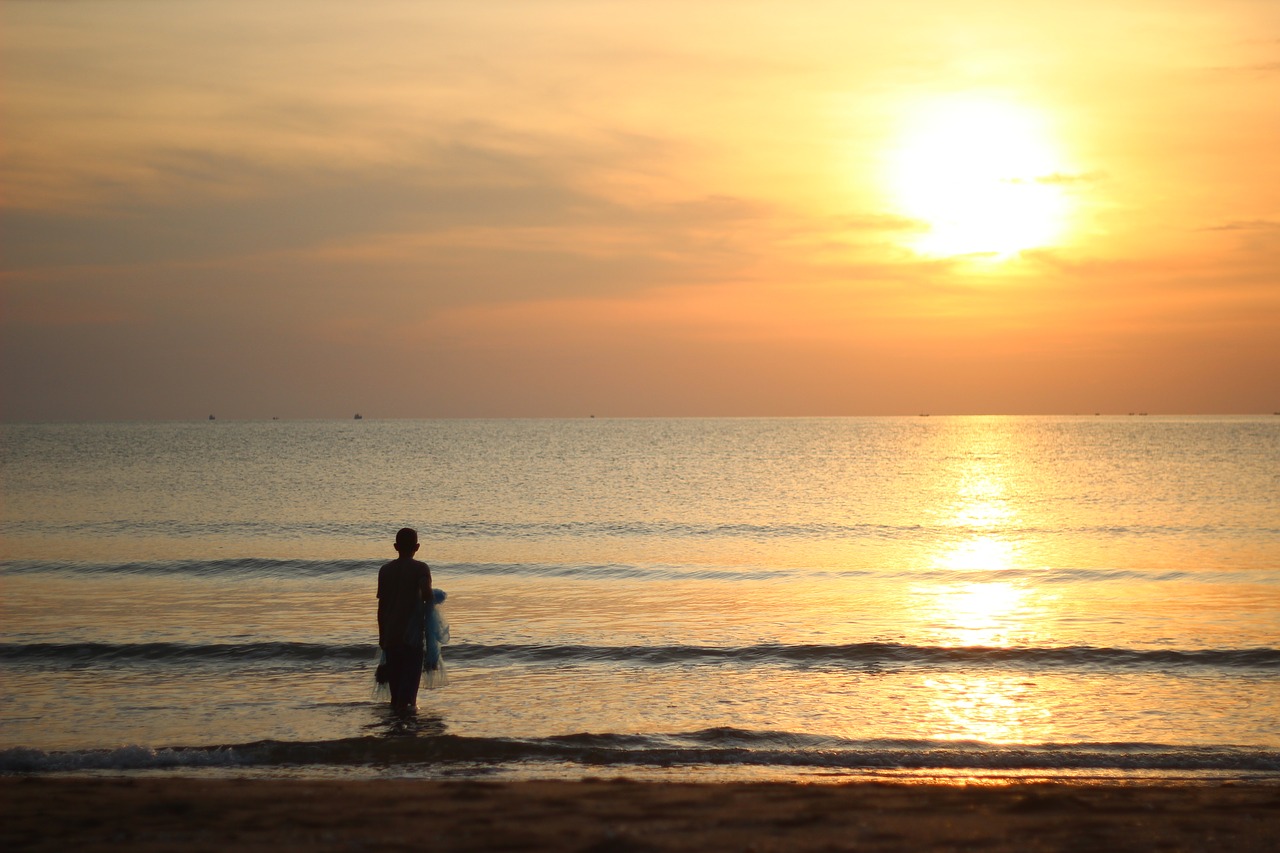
(404, 601)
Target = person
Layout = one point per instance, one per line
(404, 602)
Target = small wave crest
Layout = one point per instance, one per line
(257, 567)
(103, 654)
(264, 568)
(25, 760)
(874, 655)
(714, 747)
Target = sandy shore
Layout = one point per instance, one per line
(42, 813)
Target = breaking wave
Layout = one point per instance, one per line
(708, 747)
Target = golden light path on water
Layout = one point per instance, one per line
(989, 707)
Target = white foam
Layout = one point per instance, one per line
(132, 757)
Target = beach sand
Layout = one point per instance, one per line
(169, 813)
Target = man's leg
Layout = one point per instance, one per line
(405, 671)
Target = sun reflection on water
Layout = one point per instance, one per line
(987, 614)
(978, 553)
(990, 708)
(975, 599)
(981, 499)
(969, 611)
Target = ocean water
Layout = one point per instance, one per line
(809, 599)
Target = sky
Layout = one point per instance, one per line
(545, 208)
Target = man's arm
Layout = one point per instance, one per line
(424, 584)
(383, 615)
(382, 622)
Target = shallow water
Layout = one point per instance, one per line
(767, 598)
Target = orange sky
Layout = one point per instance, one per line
(527, 208)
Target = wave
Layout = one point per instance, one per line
(708, 747)
(872, 656)
(628, 529)
(887, 655)
(262, 568)
(257, 567)
(104, 654)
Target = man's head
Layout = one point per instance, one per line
(406, 541)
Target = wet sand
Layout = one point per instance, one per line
(169, 813)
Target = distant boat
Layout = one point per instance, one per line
(359, 417)
(212, 418)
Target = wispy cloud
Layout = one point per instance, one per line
(1060, 179)
(1246, 225)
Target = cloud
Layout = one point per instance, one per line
(288, 215)
(1245, 225)
(200, 205)
(1259, 68)
(1060, 179)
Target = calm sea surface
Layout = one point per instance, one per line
(815, 599)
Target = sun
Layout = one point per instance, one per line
(981, 176)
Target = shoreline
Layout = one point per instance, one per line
(156, 812)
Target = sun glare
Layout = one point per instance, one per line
(981, 176)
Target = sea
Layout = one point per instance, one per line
(967, 599)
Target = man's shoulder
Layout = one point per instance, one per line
(415, 567)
